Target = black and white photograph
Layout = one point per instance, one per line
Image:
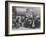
(25, 18)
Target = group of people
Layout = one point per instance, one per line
(26, 21)
(29, 20)
(22, 21)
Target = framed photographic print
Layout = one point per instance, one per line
(24, 18)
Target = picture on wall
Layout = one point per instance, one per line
(24, 18)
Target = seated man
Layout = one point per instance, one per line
(28, 22)
(37, 22)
